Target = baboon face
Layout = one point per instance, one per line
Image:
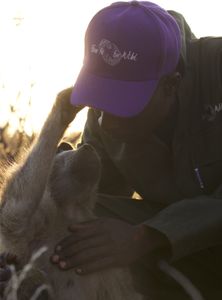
(75, 175)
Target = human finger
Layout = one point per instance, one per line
(76, 226)
(81, 245)
(85, 257)
(102, 263)
(79, 233)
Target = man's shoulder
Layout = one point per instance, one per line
(186, 33)
(205, 47)
(199, 129)
(201, 87)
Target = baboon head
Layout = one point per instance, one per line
(75, 175)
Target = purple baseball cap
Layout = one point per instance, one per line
(129, 46)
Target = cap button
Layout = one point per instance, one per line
(135, 3)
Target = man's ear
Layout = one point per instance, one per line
(171, 83)
(64, 146)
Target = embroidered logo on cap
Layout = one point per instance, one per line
(111, 53)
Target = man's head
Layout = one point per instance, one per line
(129, 48)
(142, 125)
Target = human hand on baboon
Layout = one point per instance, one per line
(6, 259)
(105, 243)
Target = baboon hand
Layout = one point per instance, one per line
(5, 273)
(67, 110)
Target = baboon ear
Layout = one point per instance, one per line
(64, 146)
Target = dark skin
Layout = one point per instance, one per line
(135, 128)
(105, 242)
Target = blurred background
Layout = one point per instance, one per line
(41, 52)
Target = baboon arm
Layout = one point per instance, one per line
(26, 186)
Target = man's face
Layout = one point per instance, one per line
(141, 126)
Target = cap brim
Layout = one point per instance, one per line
(120, 98)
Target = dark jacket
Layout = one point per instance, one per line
(180, 173)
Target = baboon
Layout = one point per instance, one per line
(43, 194)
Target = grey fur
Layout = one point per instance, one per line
(43, 194)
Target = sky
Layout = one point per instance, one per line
(42, 44)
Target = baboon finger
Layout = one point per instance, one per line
(3, 286)
(11, 259)
(2, 260)
(65, 94)
(5, 274)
